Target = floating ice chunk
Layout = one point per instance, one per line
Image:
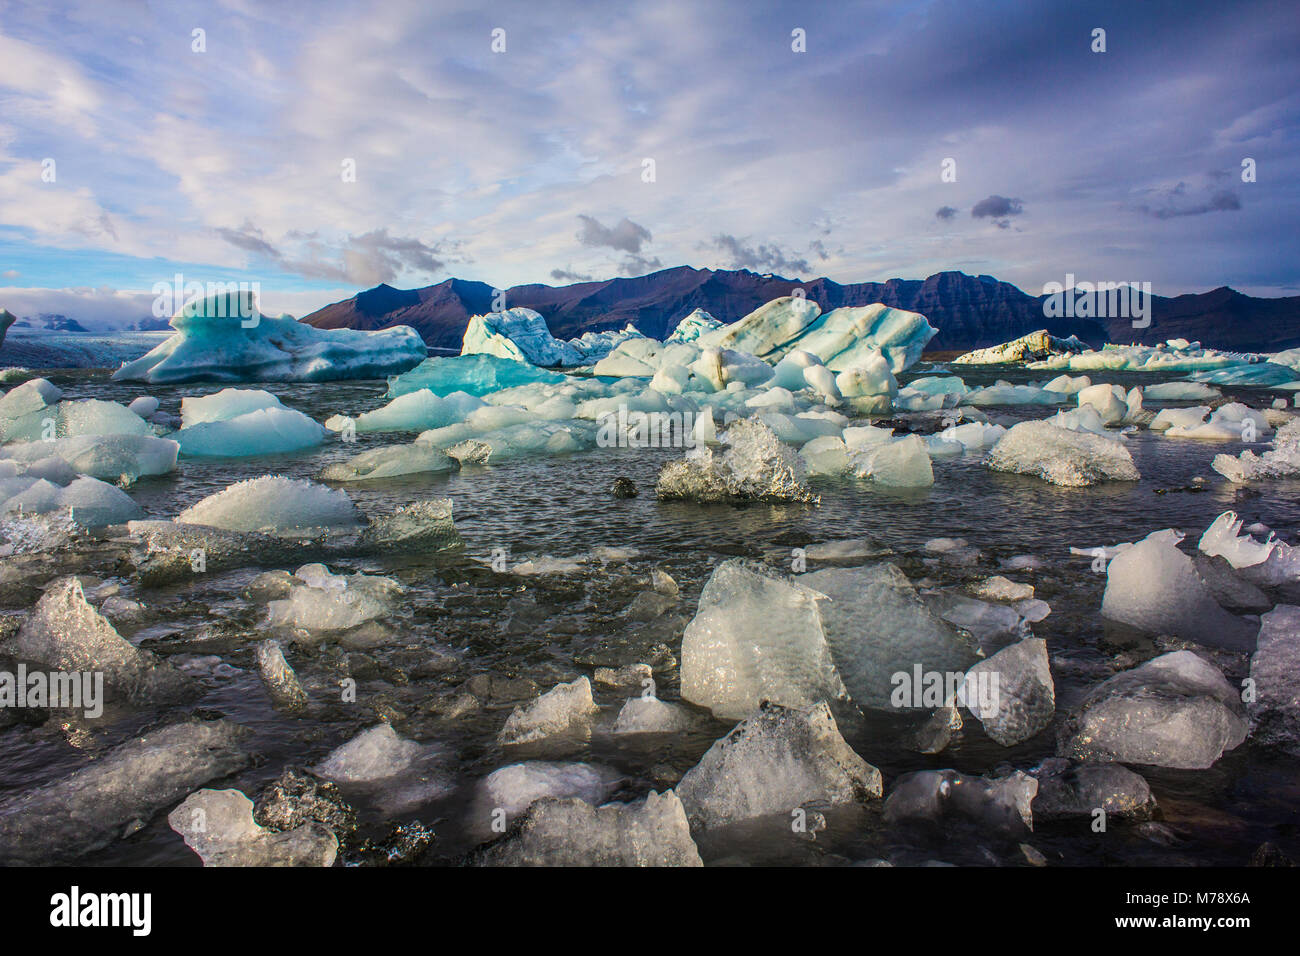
(88, 417)
(1012, 692)
(998, 588)
(1068, 385)
(1177, 711)
(31, 396)
(649, 832)
(218, 825)
(903, 463)
(1282, 461)
(373, 755)
(754, 466)
(1006, 394)
(333, 602)
(1267, 564)
(1224, 538)
(1104, 401)
(108, 457)
(1232, 422)
(649, 715)
(414, 411)
(506, 793)
(1078, 790)
(949, 386)
(267, 431)
(756, 636)
(1061, 456)
(65, 633)
(693, 326)
(390, 461)
(223, 338)
(280, 680)
(145, 406)
(789, 372)
(936, 797)
(989, 623)
(826, 455)
(877, 627)
(1183, 419)
(89, 502)
(224, 405)
(1275, 670)
(275, 504)
(973, 436)
(862, 436)
(773, 761)
(871, 377)
(1180, 391)
(473, 374)
(116, 794)
(562, 709)
(1154, 587)
(525, 440)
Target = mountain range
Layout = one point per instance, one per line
(969, 311)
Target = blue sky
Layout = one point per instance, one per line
(528, 165)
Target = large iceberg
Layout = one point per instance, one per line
(521, 335)
(224, 338)
(1032, 347)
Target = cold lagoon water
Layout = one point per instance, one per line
(559, 579)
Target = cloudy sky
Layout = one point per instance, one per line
(617, 138)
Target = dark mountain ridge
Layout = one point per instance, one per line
(969, 311)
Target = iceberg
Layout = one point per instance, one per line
(562, 709)
(692, 327)
(1177, 710)
(267, 431)
(571, 832)
(107, 457)
(774, 761)
(1028, 348)
(1281, 461)
(391, 461)
(1155, 587)
(116, 794)
(476, 375)
(521, 335)
(755, 466)
(218, 825)
(320, 601)
(224, 338)
(835, 634)
(89, 502)
(275, 504)
(1068, 790)
(1023, 695)
(901, 463)
(1061, 456)
(1275, 670)
(65, 633)
(507, 792)
(414, 411)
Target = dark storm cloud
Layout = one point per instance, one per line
(625, 235)
(997, 207)
(945, 212)
(760, 258)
